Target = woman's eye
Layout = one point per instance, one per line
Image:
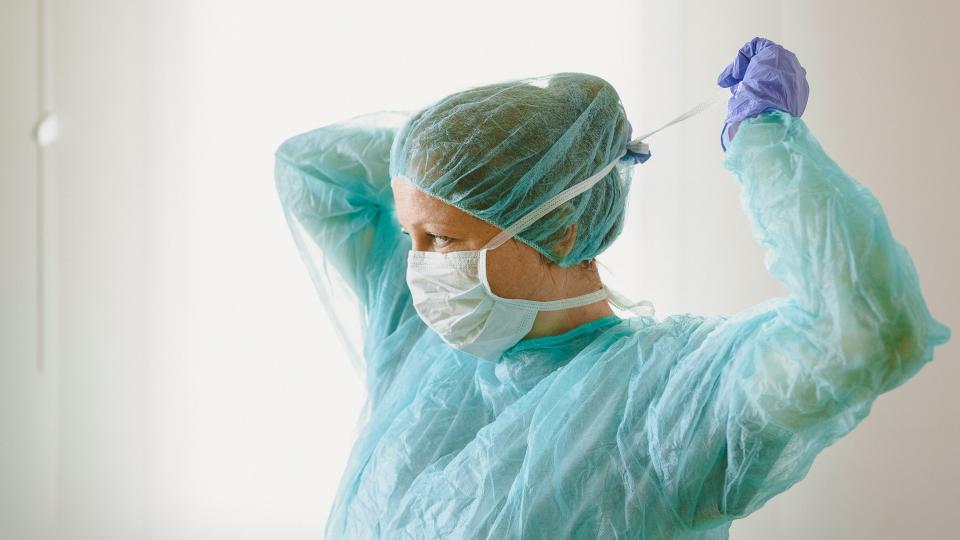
(438, 239)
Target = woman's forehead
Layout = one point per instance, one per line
(415, 207)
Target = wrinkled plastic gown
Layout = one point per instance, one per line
(620, 428)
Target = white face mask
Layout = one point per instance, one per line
(451, 293)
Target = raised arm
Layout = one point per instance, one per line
(744, 414)
(334, 187)
(334, 182)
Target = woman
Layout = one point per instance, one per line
(506, 399)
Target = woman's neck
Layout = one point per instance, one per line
(580, 279)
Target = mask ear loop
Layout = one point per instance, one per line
(541, 211)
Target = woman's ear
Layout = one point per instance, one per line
(563, 247)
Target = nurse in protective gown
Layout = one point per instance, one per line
(619, 427)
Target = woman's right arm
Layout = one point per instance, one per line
(333, 182)
(334, 187)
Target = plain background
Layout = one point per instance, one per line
(166, 369)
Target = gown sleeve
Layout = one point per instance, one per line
(334, 187)
(744, 412)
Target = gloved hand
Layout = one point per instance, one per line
(769, 76)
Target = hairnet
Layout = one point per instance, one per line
(500, 150)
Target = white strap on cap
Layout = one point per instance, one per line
(721, 96)
(547, 206)
(637, 145)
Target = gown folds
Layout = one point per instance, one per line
(619, 428)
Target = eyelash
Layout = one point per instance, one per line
(439, 238)
(436, 237)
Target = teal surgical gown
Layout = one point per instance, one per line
(619, 428)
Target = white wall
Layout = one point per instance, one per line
(191, 387)
(28, 380)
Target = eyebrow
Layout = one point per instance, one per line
(433, 220)
(439, 229)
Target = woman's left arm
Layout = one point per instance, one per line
(742, 416)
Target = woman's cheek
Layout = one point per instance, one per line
(514, 272)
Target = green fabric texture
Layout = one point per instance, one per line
(632, 428)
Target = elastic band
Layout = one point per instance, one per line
(635, 145)
(547, 206)
(548, 305)
(702, 106)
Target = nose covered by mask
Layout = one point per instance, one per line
(451, 293)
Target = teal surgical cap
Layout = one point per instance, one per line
(500, 150)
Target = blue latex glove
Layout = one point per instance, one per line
(769, 76)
